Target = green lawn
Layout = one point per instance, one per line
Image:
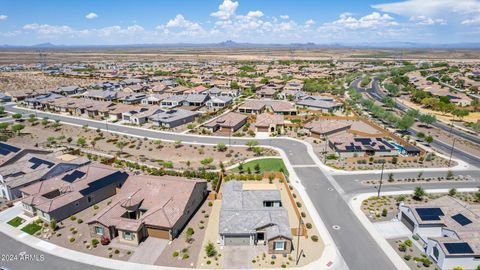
(31, 228)
(16, 221)
(266, 165)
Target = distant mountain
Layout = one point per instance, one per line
(230, 44)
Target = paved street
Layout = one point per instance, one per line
(330, 203)
(40, 260)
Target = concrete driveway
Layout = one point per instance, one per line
(240, 257)
(149, 250)
(392, 229)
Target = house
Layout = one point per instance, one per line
(173, 118)
(217, 92)
(323, 128)
(69, 90)
(266, 92)
(252, 107)
(69, 193)
(149, 206)
(254, 217)
(346, 144)
(101, 95)
(196, 90)
(281, 107)
(172, 101)
(140, 115)
(135, 98)
(4, 98)
(34, 102)
(10, 153)
(229, 122)
(448, 229)
(178, 90)
(154, 99)
(32, 168)
(294, 85)
(272, 123)
(219, 102)
(195, 100)
(318, 104)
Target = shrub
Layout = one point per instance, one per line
(210, 250)
(408, 243)
(79, 221)
(175, 254)
(72, 239)
(210, 204)
(299, 204)
(73, 218)
(185, 256)
(314, 238)
(94, 242)
(117, 251)
(407, 257)
(308, 225)
(95, 207)
(384, 212)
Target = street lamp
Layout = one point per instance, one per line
(300, 222)
(381, 180)
(451, 151)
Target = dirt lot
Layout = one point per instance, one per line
(36, 80)
(155, 153)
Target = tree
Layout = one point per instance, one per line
(221, 147)
(17, 128)
(461, 113)
(427, 119)
(389, 102)
(81, 141)
(257, 150)
(251, 144)
(452, 192)
(450, 175)
(53, 224)
(429, 139)
(4, 125)
(390, 177)
(32, 118)
(2, 110)
(257, 168)
(210, 250)
(421, 135)
(418, 193)
(45, 121)
(120, 145)
(240, 167)
(17, 116)
(405, 122)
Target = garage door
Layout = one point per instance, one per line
(164, 234)
(237, 240)
(262, 129)
(408, 222)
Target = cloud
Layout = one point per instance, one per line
(47, 30)
(284, 17)
(91, 16)
(225, 10)
(3, 17)
(431, 9)
(255, 14)
(424, 20)
(309, 23)
(472, 21)
(373, 20)
(180, 22)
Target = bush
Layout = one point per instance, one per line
(72, 239)
(117, 251)
(384, 212)
(95, 207)
(79, 221)
(94, 242)
(185, 256)
(175, 254)
(407, 257)
(314, 238)
(408, 243)
(308, 225)
(210, 204)
(210, 250)
(73, 218)
(299, 204)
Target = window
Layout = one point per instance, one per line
(435, 252)
(268, 204)
(128, 236)
(279, 245)
(99, 230)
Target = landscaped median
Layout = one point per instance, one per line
(16, 221)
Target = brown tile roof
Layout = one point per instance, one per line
(266, 119)
(227, 120)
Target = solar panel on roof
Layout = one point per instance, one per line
(429, 214)
(38, 162)
(73, 176)
(6, 149)
(461, 219)
(103, 182)
(458, 248)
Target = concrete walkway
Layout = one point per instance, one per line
(149, 250)
(392, 229)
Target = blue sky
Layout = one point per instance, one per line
(81, 22)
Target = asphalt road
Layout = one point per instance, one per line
(37, 258)
(351, 239)
(378, 95)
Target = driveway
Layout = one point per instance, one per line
(239, 257)
(11, 212)
(392, 229)
(149, 250)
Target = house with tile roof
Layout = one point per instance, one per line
(149, 206)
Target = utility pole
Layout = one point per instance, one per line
(381, 180)
(300, 222)
(451, 151)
